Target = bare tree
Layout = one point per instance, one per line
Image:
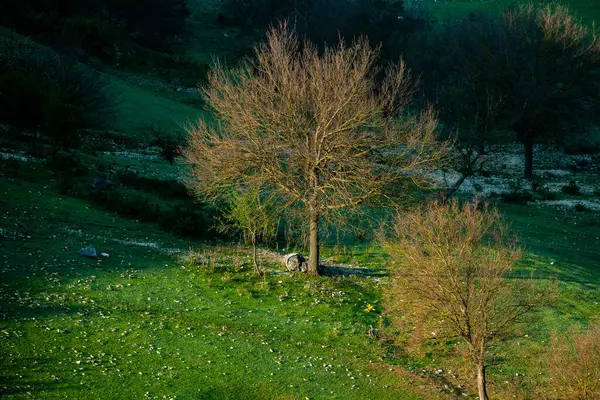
(256, 215)
(316, 129)
(574, 364)
(451, 276)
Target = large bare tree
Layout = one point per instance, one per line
(318, 130)
(451, 278)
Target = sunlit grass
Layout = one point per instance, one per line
(144, 322)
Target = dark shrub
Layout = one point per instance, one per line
(169, 143)
(571, 189)
(67, 165)
(151, 22)
(187, 221)
(323, 21)
(519, 197)
(92, 25)
(541, 189)
(50, 93)
(163, 188)
(90, 36)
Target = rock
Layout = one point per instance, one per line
(295, 262)
(89, 252)
(99, 182)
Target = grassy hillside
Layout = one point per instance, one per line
(140, 108)
(149, 321)
(146, 323)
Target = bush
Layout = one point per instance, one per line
(574, 364)
(151, 22)
(169, 143)
(90, 35)
(571, 189)
(517, 197)
(50, 93)
(186, 219)
(94, 25)
(164, 188)
(585, 143)
(541, 189)
(448, 279)
(324, 21)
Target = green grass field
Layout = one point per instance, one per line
(141, 108)
(145, 323)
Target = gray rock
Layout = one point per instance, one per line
(295, 262)
(89, 252)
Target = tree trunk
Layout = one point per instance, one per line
(447, 194)
(528, 147)
(313, 256)
(481, 383)
(255, 256)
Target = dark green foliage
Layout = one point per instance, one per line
(50, 94)
(517, 197)
(584, 143)
(163, 188)
(67, 165)
(517, 194)
(22, 99)
(541, 189)
(533, 72)
(94, 26)
(168, 142)
(324, 21)
(253, 12)
(572, 189)
(150, 22)
(163, 202)
(90, 36)
(187, 219)
(179, 70)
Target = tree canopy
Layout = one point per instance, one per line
(316, 129)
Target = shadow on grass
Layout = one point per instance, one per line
(25, 384)
(15, 311)
(338, 270)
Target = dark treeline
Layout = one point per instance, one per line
(527, 75)
(385, 23)
(93, 26)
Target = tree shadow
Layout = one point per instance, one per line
(16, 311)
(29, 383)
(348, 271)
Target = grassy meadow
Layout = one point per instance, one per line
(150, 322)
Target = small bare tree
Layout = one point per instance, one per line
(255, 214)
(319, 130)
(451, 275)
(574, 365)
